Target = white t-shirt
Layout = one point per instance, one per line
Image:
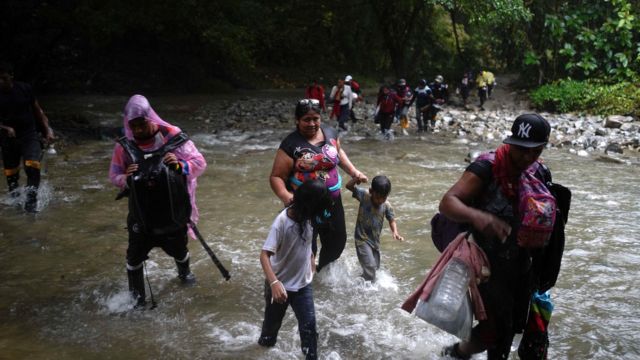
(291, 259)
(347, 95)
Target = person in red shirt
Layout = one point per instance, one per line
(315, 91)
(388, 102)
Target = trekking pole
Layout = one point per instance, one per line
(146, 274)
(206, 247)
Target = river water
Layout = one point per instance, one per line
(63, 279)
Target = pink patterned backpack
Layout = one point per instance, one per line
(537, 208)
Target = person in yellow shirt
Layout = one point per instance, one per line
(490, 80)
(481, 83)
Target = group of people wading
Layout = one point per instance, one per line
(155, 165)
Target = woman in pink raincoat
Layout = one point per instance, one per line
(156, 166)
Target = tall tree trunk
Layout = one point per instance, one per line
(452, 14)
(396, 29)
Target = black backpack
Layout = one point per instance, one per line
(159, 201)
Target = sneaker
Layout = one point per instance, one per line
(451, 351)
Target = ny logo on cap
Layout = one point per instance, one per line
(523, 132)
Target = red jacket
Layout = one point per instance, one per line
(388, 103)
(315, 92)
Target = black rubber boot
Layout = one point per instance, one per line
(31, 199)
(12, 182)
(136, 287)
(184, 273)
(33, 182)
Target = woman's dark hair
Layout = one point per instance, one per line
(381, 185)
(303, 106)
(381, 90)
(310, 201)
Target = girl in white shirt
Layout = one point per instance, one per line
(289, 263)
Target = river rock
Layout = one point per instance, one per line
(613, 147)
(620, 118)
(612, 123)
(629, 127)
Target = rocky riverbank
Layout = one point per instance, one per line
(614, 138)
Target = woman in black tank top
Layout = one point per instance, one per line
(313, 151)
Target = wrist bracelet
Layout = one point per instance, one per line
(274, 282)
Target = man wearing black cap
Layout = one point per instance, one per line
(529, 130)
(487, 197)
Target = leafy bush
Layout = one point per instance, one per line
(589, 97)
(622, 98)
(561, 96)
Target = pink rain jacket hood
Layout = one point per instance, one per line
(193, 163)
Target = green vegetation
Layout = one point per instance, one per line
(192, 45)
(589, 54)
(588, 96)
(123, 46)
(586, 40)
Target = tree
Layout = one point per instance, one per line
(589, 39)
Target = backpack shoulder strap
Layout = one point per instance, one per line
(483, 167)
(175, 142)
(543, 173)
(130, 147)
(136, 154)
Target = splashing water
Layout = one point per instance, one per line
(18, 197)
(64, 281)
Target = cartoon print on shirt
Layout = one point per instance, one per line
(312, 165)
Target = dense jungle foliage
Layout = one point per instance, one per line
(209, 45)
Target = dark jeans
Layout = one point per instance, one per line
(301, 302)
(464, 93)
(482, 94)
(420, 117)
(333, 236)
(344, 115)
(385, 121)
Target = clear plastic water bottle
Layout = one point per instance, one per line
(447, 295)
(51, 150)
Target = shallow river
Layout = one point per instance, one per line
(63, 279)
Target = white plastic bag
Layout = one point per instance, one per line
(460, 326)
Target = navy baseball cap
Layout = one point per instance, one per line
(529, 130)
